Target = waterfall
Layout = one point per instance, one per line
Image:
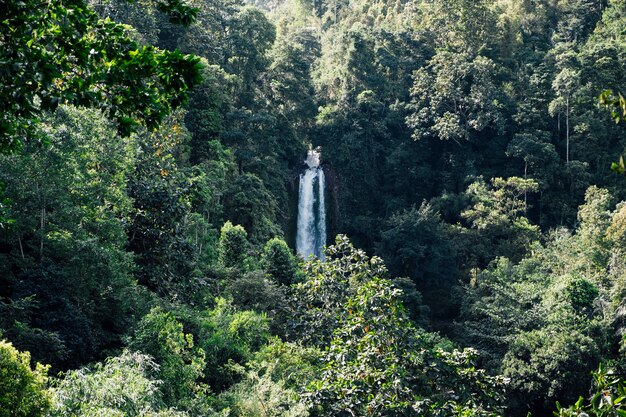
(311, 232)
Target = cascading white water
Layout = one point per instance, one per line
(311, 233)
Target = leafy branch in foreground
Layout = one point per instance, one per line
(375, 362)
(60, 52)
(22, 388)
(616, 102)
(609, 398)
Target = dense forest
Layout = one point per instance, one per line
(151, 154)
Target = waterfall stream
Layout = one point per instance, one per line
(311, 232)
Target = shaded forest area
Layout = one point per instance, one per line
(149, 162)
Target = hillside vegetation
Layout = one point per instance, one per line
(150, 152)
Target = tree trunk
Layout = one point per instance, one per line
(42, 230)
(19, 240)
(525, 191)
(567, 131)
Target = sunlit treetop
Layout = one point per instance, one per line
(60, 52)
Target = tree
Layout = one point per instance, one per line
(458, 25)
(258, 292)
(602, 57)
(210, 102)
(232, 246)
(289, 83)
(64, 54)
(498, 212)
(376, 363)
(278, 261)
(595, 218)
(258, 395)
(542, 321)
(607, 397)
(415, 244)
(249, 203)
(547, 365)
(455, 97)
(252, 35)
(229, 337)
(578, 18)
(318, 301)
(180, 363)
(536, 327)
(68, 286)
(22, 389)
(539, 156)
(273, 381)
(162, 195)
(565, 84)
(122, 386)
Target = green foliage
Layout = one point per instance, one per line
(582, 295)
(181, 364)
(22, 389)
(538, 153)
(418, 312)
(607, 397)
(615, 102)
(376, 362)
(278, 261)
(498, 214)
(208, 106)
(124, 385)
(458, 25)
(232, 246)
(294, 364)
(5, 204)
(96, 230)
(260, 396)
(249, 203)
(229, 337)
(595, 218)
(252, 36)
(255, 291)
(272, 382)
(369, 367)
(318, 301)
(607, 41)
(415, 243)
(64, 54)
(162, 196)
(291, 86)
(551, 363)
(455, 97)
(68, 280)
(543, 321)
